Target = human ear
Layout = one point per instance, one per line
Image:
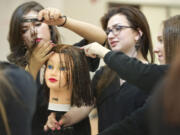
(139, 34)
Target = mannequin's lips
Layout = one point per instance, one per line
(52, 80)
(38, 40)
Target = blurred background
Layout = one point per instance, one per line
(89, 11)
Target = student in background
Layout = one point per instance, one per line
(18, 93)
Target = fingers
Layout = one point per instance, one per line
(40, 14)
(51, 123)
(63, 121)
(55, 14)
(45, 49)
(47, 56)
(95, 49)
(92, 56)
(89, 51)
(49, 14)
(41, 53)
(46, 128)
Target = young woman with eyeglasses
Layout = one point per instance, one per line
(128, 31)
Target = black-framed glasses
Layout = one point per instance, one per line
(116, 29)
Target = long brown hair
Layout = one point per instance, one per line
(5, 87)
(78, 77)
(17, 46)
(138, 21)
(171, 37)
(171, 92)
(6, 91)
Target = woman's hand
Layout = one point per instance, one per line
(51, 16)
(52, 123)
(39, 56)
(95, 49)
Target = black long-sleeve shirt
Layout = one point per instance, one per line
(115, 102)
(144, 76)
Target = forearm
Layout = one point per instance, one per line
(76, 114)
(144, 76)
(89, 31)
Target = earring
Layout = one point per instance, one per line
(137, 45)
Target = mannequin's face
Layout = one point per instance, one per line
(55, 74)
(33, 30)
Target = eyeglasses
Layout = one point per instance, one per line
(116, 29)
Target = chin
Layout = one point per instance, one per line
(116, 49)
(52, 86)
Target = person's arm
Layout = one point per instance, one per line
(144, 76)
(74, 115)
(90, 32)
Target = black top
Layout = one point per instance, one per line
(41, 114)
(81, 128)
(20, 106)
(144, 76)
(134, 124)
(116, 102)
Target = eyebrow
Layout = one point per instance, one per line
(32, 20)
(115, 25)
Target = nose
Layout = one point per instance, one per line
(110, 35)
(54, 71)
(156, 49)
(33, 30)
